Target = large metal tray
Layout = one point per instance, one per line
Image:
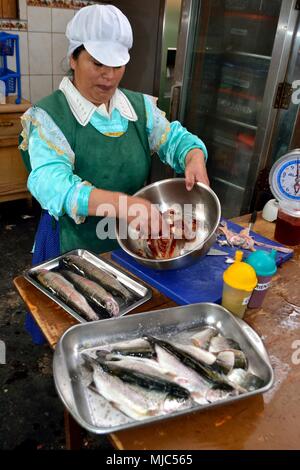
(141, 292)
(97, 415)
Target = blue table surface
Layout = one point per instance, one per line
(201, 282)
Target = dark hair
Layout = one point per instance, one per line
(77, 51)
(75, 56)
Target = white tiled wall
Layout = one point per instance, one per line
(40, 86)
(56, 81)
(43, 49)
(25, 83)
(59, 53)
(40, 53)
(24, 56)
(23, 9)
(39, 19)
(24, 53)
(60, 19)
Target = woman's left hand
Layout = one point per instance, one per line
(195, 169)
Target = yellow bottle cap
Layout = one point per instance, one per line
(240, 275)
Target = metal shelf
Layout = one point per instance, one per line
(222, 52)
(230, 121)
(228, 183)
(237, 123)
(248, 54)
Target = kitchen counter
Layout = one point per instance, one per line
(269, 421)
(13, 174)
(11, 107)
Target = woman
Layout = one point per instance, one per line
(90, 142)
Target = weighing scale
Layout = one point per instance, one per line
(285, 178)
(285, 185)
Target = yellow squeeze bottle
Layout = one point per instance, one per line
(239, 282)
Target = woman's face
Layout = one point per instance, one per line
(96, 82)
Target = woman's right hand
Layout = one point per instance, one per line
(144, 217)
(139, 212)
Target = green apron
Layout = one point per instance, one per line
(111, 163)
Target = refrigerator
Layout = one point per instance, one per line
(236, 63)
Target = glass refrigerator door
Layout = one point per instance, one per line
(287, 135)
(230, 57)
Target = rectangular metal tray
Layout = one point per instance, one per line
(93, 412)
(141, 291)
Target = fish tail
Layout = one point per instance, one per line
(112, 306)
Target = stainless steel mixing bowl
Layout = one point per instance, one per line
(166, 193)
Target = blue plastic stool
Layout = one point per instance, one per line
(9, 46)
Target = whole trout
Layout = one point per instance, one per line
(85, 268)
(97, 294)
(58, 285)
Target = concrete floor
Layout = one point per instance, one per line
(31, 412)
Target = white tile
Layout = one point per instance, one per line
(60, 19)
(59, 51)
(40, 86)
(24, 53)
(11, 63)
(23, 9)
(25, 87)
(39, 19)
(11, 60)
(56, 81)
(40, 53)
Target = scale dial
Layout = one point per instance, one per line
(285, 177)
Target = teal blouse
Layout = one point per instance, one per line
(52, 180)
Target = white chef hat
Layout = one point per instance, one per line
(104, 31)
